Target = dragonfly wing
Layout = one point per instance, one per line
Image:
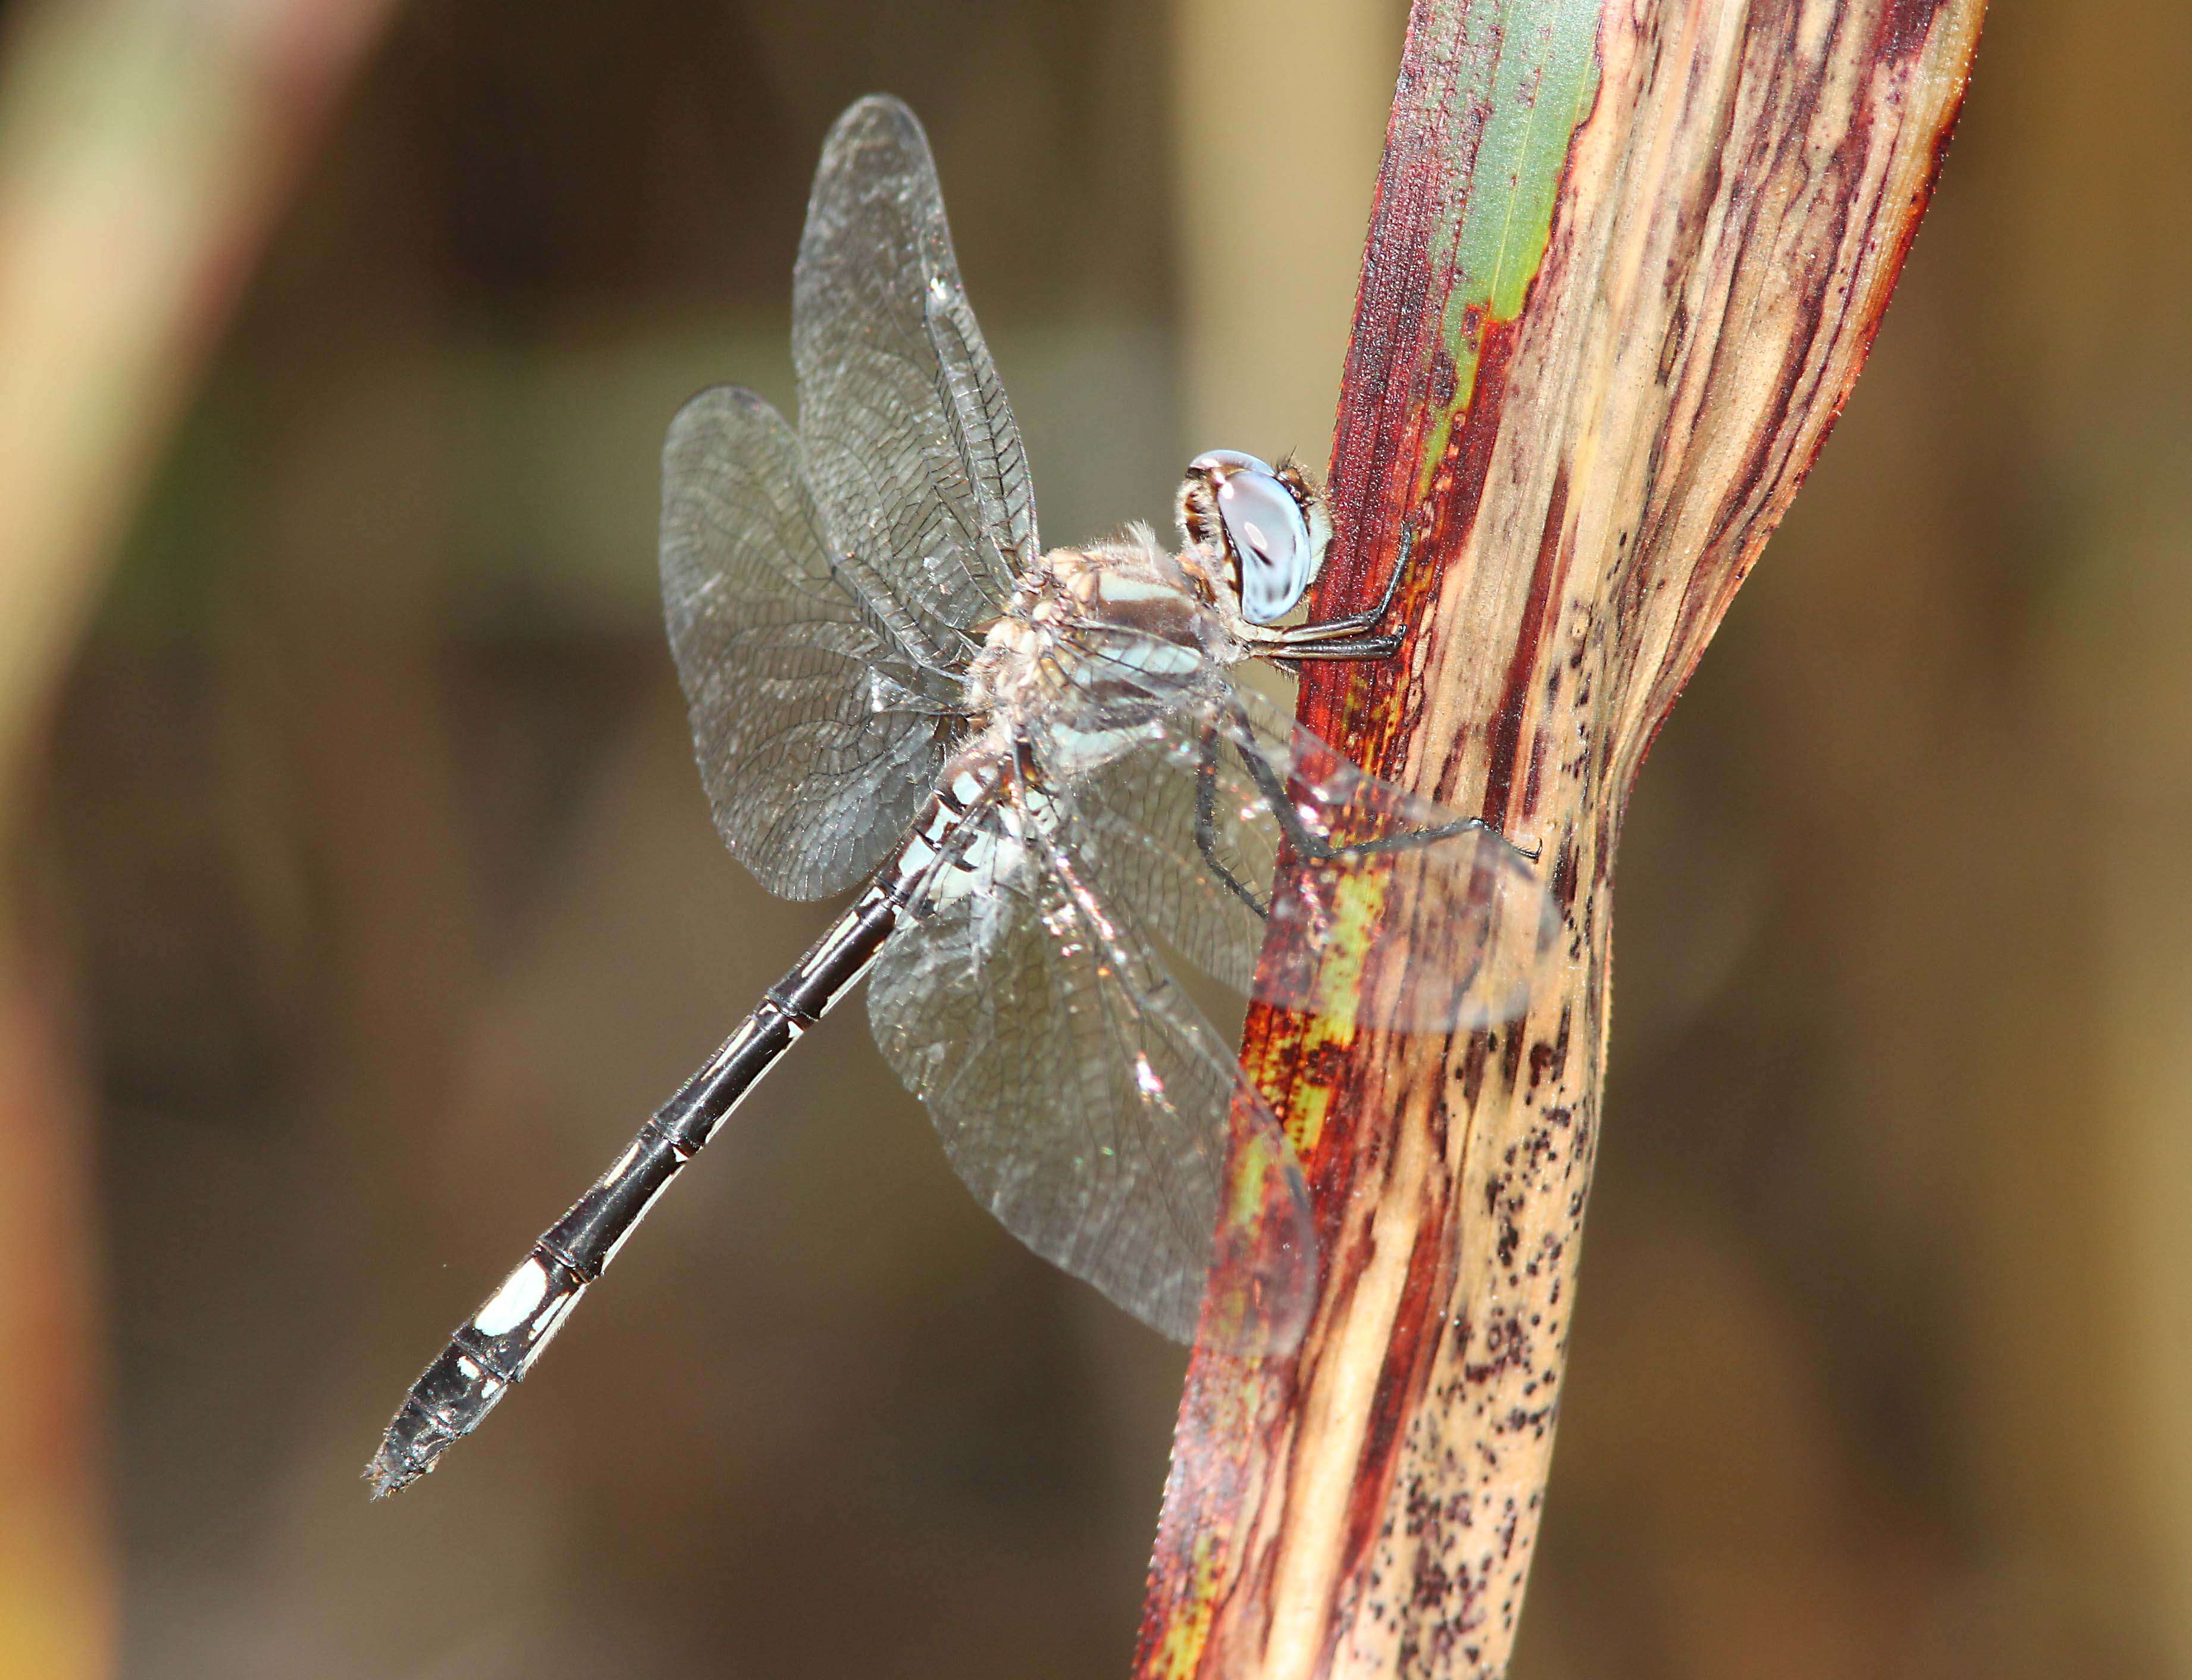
(816, 743)
(913, 451)
(1085, 1102)
(1279, 867)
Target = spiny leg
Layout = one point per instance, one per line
(1353, 648)
(1314, 847)
(1299, 639)
(1206, 820)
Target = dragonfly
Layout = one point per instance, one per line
(1041, 765)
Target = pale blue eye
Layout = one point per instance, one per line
(1265, 531)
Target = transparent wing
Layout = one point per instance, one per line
(1085, 1102)
(912, 446)
(817, 735)
(1271, 863)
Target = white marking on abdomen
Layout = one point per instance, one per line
(838, 936)
(521, 1291)
(550, 1324)
(917, 854)
(648, 1207)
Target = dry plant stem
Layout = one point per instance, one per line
(1625, 261)
(143, 147)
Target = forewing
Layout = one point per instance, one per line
(1279, 867)
(913, 452)
(1086, 1102)
(816, 741)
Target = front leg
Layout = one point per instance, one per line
(1299, 639)
(1353, 648)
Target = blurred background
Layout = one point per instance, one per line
(368, 899)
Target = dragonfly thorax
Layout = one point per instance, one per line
(1094, 640)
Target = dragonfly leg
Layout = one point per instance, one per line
(1350, 647)
(1313, 846)
(1206, 821)
(1301, 640)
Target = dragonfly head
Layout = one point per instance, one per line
(1266, 527)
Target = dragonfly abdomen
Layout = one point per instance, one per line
(495, 1349)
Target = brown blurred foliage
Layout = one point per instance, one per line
(369, 864)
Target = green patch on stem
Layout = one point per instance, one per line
(1357, 900)
(1180, 1651)
(1534, 71)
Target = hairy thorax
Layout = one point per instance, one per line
(1093, 639)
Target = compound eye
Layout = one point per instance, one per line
(1264, 529)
